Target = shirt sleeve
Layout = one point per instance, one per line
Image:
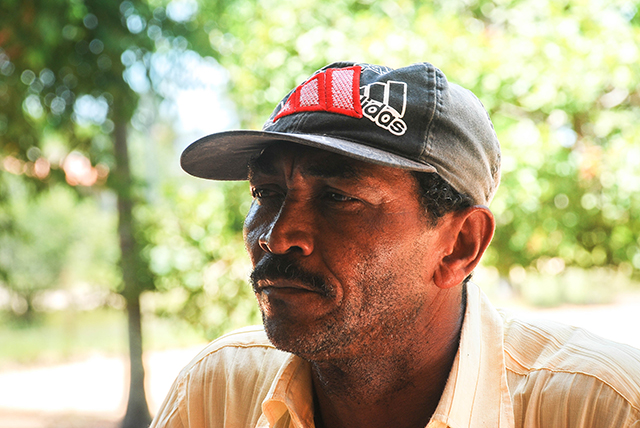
(565, 377)
(168, 415)
(571, 400)
(224, 386)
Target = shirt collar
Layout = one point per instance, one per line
(290, 396)
(476, 393)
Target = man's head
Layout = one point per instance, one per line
(369, 186)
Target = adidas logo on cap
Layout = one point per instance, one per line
(385, 104)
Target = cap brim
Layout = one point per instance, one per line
(226, 155)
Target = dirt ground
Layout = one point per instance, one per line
(92, 393)
(34, 419)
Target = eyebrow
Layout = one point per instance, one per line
(257, 164)
(334, 168)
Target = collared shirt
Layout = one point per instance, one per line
(507, 373)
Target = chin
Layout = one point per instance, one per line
(311, 343)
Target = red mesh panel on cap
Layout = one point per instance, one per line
(336, 90)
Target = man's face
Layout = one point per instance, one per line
(342, 252)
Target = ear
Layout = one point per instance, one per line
(468, 233)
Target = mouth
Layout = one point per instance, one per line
(281, 285)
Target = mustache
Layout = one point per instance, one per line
(274, 267)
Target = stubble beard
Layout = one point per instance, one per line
(377, 325)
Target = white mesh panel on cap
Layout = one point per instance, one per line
(309, 94)
(342, 89)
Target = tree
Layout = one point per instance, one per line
(64, 83)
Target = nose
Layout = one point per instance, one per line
(291, 231)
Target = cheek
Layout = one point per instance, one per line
(360, 249)
(394, 244)
(249, 221)
(252, 230)
(386, 233)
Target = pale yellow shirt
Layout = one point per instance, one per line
(507, 373)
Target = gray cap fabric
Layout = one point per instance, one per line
(411, 118)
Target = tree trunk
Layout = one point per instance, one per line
(137, 415)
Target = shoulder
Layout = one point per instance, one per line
(546, 345)
(225, 384)
(249, 338)
(240, 352)
(568, 374)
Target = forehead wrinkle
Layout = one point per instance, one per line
(334, 168)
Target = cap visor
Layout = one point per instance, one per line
(226, 155)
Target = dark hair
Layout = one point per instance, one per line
(438, 198)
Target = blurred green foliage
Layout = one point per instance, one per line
(561, 80)
(56, 241)
(199, 258)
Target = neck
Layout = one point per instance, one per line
(398, 382)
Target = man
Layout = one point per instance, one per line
(371, 188)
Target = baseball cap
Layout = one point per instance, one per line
(411, 118)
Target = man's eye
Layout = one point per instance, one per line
(262, 193)
(338, 197)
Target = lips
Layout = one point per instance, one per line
(282, 284)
